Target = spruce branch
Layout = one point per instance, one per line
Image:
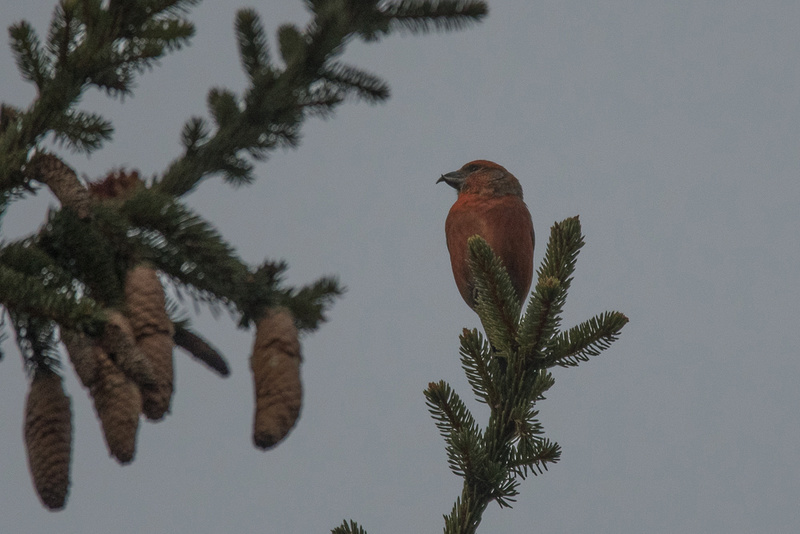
(271, 110)
(497, 303)
(23, 294)
(466, 514)
(32, 285)
(353, 80)
(417, 16)
(480, 366)
(310, 303)
(533, 455)
(458, 428)
(81, 247)
(292, 45)
(198, 259)
(63, 36)
(376, 19)
(82, 131)
(9, 117)
(509, 376)
(183, 245)
(543, 315)
(349, 528)
(223, 107)
(88, 44)
(195, 131)
(589, 338)
(96, 267)
(253, 45)
(566, 241)
(30, 58)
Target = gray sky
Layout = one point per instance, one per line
(672, 128)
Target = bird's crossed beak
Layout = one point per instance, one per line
(454, 179)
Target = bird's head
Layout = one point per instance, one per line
(485, 178)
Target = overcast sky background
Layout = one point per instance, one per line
(672, 128)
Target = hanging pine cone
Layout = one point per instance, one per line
(117, 399)
(275, 363)
(118, 403)
(48, 438)
(152, 328)
(119, 343)
(80, 349)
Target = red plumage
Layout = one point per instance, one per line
(489, 204)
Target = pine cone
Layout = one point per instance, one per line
(120, 344)
(118, 403)
(156, 399)
(80, 349)
(117, 399)
(62, 181)
(145, 302)
(276, 372)
(152, 328)
(48, 438)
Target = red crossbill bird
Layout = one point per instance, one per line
(490, 205)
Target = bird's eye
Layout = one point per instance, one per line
(472, 168)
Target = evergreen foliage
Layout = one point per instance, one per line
(349, 528)
(70, 274)
(508, 371)
(74, 266)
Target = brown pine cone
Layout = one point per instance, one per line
(156, 399)
(119, 343)
(80, 349)
(145, 302)
(153, 330)
(62, 181)
(275, 364)
(118, 403)
(48, 438)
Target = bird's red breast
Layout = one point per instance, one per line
(489, 204)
